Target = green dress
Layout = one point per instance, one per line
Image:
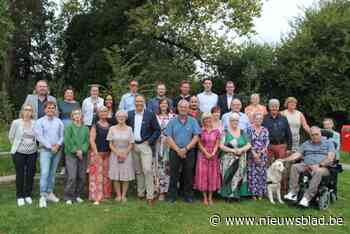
(234, 168)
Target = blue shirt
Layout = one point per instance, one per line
(153, 104)
(315, 153)
(182, 133)
(243, 121)
(49, 131)
(127, 102)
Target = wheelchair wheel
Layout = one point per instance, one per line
(325, 200)
(333, 196)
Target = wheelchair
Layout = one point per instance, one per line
(327, 190)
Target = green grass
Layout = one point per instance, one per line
(345, 157)
(6, 165)
(136, 217)
(4, 142)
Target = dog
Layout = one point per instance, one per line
(274, 178)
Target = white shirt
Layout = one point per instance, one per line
(207, 100)
(229, 100)
(137, 126)
(88, 109)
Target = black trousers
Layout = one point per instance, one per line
(25, 165)
(187, 166)
(75, 177)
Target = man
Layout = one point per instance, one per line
(207, 99)
(317, 154)
(49, 133)
(127, 102)
(185, 88)
(182, 136)
(328, 124)
(146, 132)
(37, 100)
(225, 100)
(153, 104)
(236, 106)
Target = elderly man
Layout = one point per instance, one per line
(182, 136)
(236, 106)
(317, 154)
(153, 104)
(207, 99)
(146, 132)
(38, 99)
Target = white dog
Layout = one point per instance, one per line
(274, 178)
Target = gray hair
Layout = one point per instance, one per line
(315, 128)
(234, 116)
(121, 112)
(183, 101)
(274, 101)
(255, 95)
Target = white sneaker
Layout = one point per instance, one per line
(304, 202)
(20, 202)
(96, 203)
(69, 202)
(63, 171)
(42, 202)
(291, 196)
(28, 200)
(79, 200)
(52, 197)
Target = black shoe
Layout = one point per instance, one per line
(189, 200)
(171, 200)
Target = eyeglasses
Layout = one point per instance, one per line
(234, 120)
(27, 109)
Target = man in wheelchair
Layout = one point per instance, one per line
(317, 154)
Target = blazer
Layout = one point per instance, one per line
(150, 129)
(32, 99)
(88, 110)
(222, 103)
(16, 134)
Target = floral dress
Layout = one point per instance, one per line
(234, 168)
(161, 164)
(257, 172)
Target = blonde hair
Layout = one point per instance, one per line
(22, 111)
(206, 115)
(75, 112)
(290, 99)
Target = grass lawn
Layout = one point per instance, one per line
(4, 142)
(136, 217)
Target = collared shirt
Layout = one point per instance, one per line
(229, 100)
(138, 125)
(41, 109)
(178, 99)
(49, 131)
(153, 104)
(279, 130)
(314, 153)
(127, 102)
(207, 100)
(242, 124)
(182, 133)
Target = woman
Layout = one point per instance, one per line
(76, 145)
(109, 103)
(207, 178)
(296, 119)
(217, 123)
(24, 154)
(65, 109)
(121, 142)
(161, 161)
(254, 107)
(100, 186)
(91, 105)
(234, 145)
(66, 106)
(257, 160)
(194, 108)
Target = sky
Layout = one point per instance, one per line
(275, 18)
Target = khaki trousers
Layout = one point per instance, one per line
(142, 157)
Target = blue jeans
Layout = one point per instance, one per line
(48, 167)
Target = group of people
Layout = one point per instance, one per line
(202, 142)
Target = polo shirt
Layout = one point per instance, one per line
(182, 133)
(314, 153)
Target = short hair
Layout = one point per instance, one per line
(121, 112)
(160, 102)
(69, 87)
(22, 110)
(215, 109)
(44, 81)
(206, 115)
(274, 101)
(102, 109)
(255, 95)
(329, 120)
(184, 82)
(133, 80)
(159, 83)
(183, 101)
(234, 116)
(205, 79)
(256, 114)
(230, 82)
(236, 99)
(290, 99)
(140, 95)
(315, 128)
(50, 103)
(75, 110)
